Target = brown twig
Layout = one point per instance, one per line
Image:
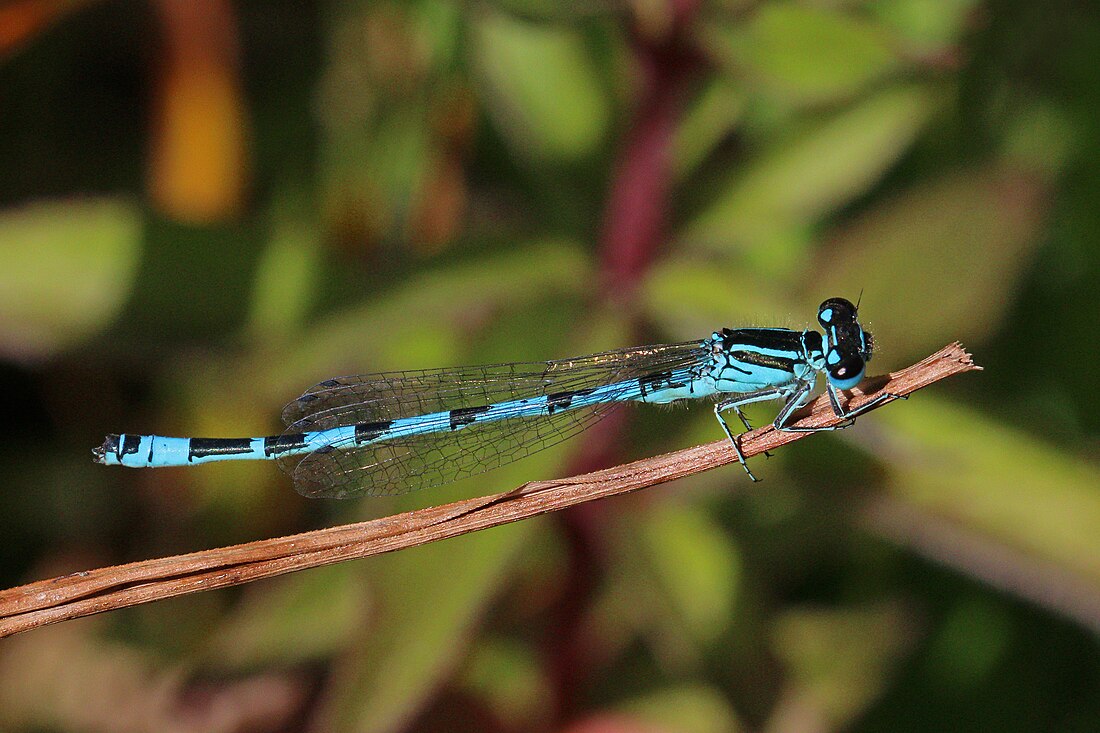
(105, 589)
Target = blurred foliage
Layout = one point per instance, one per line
(208, 206)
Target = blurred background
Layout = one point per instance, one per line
(207, 206)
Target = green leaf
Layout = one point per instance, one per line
(541, 87)
(68, 270)
(302, 616)
(808, 54)
(841, 660)
(814, 172)
(426, 321)
(696, 566)
(690, 298)
(927, 27)
(429, 597)
(983, 223)
(712, 116)
(509, 677)
(285, 279)
(972, 643)
(995, 481)
(686, 709)
(1040, 136)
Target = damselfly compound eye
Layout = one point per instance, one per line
(836, 311)
(846, 372)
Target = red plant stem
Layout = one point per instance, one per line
(638, 201)
(632, 233)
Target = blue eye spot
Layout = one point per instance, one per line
(845, 373)
(826, 315)
(847, 383)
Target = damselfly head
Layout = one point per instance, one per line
(849, 346)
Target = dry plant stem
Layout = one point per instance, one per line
(93, 591)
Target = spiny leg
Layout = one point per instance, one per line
(838, 410)
(747, 424)
(795, 403)
(736, 403)
(733, 440)
(851, 415)
(741, 416)
(848, 417)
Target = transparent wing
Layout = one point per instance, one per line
(419, 461)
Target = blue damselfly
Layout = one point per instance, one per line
(393, 432)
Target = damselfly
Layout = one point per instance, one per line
(394, 432)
